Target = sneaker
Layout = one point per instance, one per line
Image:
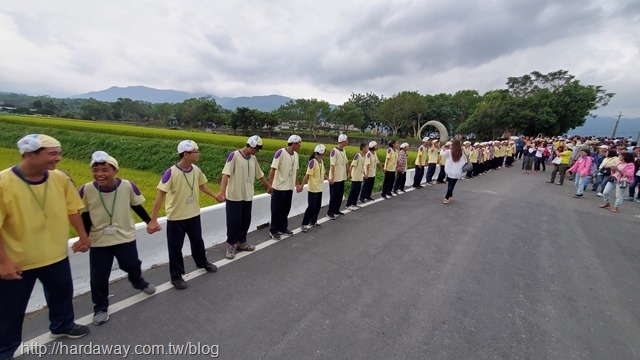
(446, 201)
(384, 196)
(210, 268)
(629, 199)
(149, 289)
(370, 199)
(428, 184)
(231, 252)
(332, 216)
(275, 236)
(304, 228)
(599, 194)
(100, 317)
(316, 225)
(76, 331)
(352, 207)
(339, 213)
(179, 283)
(577, 195)
(286, 232)
(402, 191)
(394, 193)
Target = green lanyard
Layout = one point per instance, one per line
(42, 204)
(113, 205)
(193, 183)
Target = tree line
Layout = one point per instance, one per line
(532, 104)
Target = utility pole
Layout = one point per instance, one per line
(615, 128)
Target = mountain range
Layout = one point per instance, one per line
(143, 93)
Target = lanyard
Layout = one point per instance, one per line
(192, 184)
(42, 204)
(113, 205)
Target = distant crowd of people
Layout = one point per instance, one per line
(37, 202)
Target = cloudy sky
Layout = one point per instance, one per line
(317, 49)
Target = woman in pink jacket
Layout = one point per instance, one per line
(582, 169)
(621, 176)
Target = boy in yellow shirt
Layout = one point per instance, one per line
(315, 177)
(181, 185)
(107, 218)
(371, 162)
(390, 163)
(357, 176)
(37, 203)
(338, 173)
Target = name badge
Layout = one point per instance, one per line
(190, 199)
(110, 230)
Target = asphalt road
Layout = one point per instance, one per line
(514, 268)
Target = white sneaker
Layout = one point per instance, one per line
(352, 207)
(304, 228)
(599, 194)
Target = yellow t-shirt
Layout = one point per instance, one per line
(338, 159)
(357, 167)
(565, 156)
(391, 160)
(315, 170)
(242, 174)
(286, 166)
(509, 150)
(473, 155)
(499, 151)
(371, 163)
(183, 192)
(433, 153)
(421, 159)
(116, 202)
(31, 239)
(442, 160)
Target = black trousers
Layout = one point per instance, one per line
(280, 207)
(387, 184)
(354, 192)
(418, 175)
(431, 169)
(451, 183)
(441, 175)
(100, 262)
(314, 201)
(176, 230)
(336, 193)
(401, 179)
(238, 221)
(58, 291)
(367, 188)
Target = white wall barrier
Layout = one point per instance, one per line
(152, 249)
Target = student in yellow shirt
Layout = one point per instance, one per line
(283, 178)
(237, 187)
(181, 185)
(421, 160)
(371, 162)
(442, 162)
(390, 164)
(315, 177)
(357, 175)
(107, 218)
(37, 203)
(338, 173)
(432, 160)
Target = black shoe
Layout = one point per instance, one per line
(76, 331)
(209, 267)
(384, 196)
(402, 191)
(179, 283)
(286, 232)
(370, 199)
(316, 225)
(332, 216)
(549, 182)
(578, 195)
(275, 236)
(339, 213)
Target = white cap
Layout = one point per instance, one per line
(603, 147)
(372, 144)
(467, 142)
(254, 141)
(294, 139)
(476, 144)
(103, 157)
(404, 145)
(33, 142)
(425, 139)
(342, 138)
(187, 146)
(448, 143)
(320, 149)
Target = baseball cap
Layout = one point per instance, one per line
(448, 143)
(33, 142)
(187, 146)
(425, 139)
(603, 147)
(294, 139)
(99, 157)
(342, 138)
(404, 145)
(320, 149)
(255, 141)
(372, 144)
